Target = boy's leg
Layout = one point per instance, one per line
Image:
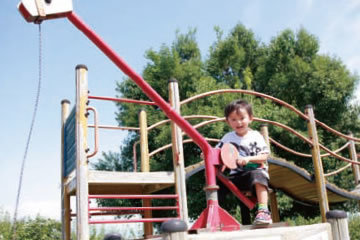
(263, 215)
(261, 193)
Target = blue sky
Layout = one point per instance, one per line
(131, 28)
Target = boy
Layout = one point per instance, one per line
(251, 172)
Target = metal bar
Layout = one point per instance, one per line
(231, 186)
(285, 104)
(144, 220)
(133, 208)
(127, 100)
(115, 127)
(129, 196)
(96, 134)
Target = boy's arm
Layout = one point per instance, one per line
(261, 158)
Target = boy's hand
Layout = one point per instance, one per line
(242, 161)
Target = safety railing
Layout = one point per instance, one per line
(311, 140)
(101, 211)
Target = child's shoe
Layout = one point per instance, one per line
(263, 217)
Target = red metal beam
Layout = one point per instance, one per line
(109, 196)
(127, 100)
(133, 208)
(131, 220)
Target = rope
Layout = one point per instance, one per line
(28, 140)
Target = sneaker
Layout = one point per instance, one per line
(263, 217)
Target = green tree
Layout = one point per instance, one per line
(5, 225)
(39, 228)
(233, 59)
(291, 69)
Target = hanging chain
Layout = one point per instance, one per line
(28, 139)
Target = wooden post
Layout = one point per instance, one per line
(318, 168)
(145, 167)
(65, 197)
(82, 188)
(353, 156)
(274, 206)
(272, 194)
(355, 167)
(178, 151)
(339, 224)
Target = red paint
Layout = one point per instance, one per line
(132, 208)
(231, 186)
(214, 218)
(131, 220)
(24, 12)
(130, 196)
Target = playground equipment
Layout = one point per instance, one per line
(91, 184)
(87, 184)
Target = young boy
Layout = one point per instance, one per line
(251, 173)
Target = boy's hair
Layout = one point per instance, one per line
(236, 106)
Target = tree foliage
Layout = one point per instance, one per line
(28, 228)
(289, 68)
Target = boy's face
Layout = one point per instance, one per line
(239, 121)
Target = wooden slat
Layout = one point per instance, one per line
(106, 182)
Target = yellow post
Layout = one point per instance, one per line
(82, 187)
(318, 168)
(272, 194)
(145, 167)
(178, 152)
(65, 197)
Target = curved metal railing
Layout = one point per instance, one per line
(214, 119)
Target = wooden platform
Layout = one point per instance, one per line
(321, 231)
(309, 232)
(106, 182)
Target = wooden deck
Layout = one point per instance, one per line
(106, 182)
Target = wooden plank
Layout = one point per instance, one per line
(106, 182)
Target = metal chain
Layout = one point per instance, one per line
(28, 139)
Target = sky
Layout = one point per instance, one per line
(130, 28)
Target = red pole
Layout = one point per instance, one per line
(151, 93)
(214, 214)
